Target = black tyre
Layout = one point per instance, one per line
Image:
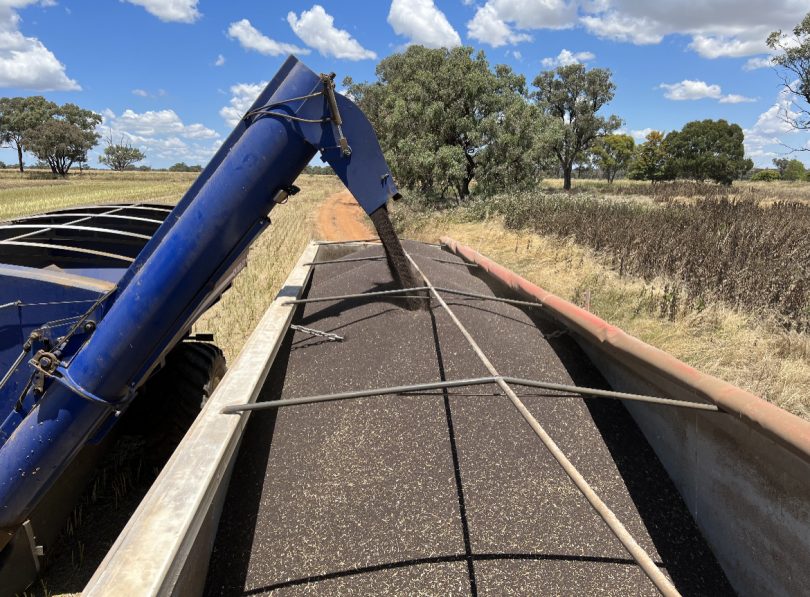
(171, 399)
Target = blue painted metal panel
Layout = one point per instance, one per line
(180, 269)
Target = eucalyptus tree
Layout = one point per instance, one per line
(793, 59)
(573, 96)
(65, 138)
(20, 115)
(449, 123)
(612, 154)
(121, 155)
(708, 150)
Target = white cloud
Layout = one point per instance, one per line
(487, 27)
(618, 27)
(145, 93)
(640, 135)
(178, 11)
(251, 38)
(772, 131)
(689, 89)
(566, 58)
(160, 122)
(758, 62)
(25, 62)
(220, 60)
(536, 14)
(161, 135)
(498, 22)
(242, 97)
(422, 23)
(775, 120)
(721, 28)
(733, 98)
(316, 28)
(724, 46)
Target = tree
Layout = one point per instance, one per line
(18, 115)
(442, 115)
(794, 57)
(766, 176)
(65, 138)
(708, 149)
(651, 159)
(781, 165)
(319, 170)
(183, 167)
(519, 149)
(794, 170)
(613, 153)
(573, 95)
(120, 156)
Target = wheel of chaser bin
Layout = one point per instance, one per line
(172, 398)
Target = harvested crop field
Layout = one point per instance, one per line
(448, 492)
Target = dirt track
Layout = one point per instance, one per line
(341, 218)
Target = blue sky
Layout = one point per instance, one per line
(172, 75)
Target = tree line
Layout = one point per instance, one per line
(59, 136)
(450, 124)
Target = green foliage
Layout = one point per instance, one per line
(183, 167)
(651, 159)
(572, 95)
(781, 165)
(65, 138)
(18, 115)
(794, 170)
(612, 154)
(444, 118)
(319, 170)
(794, 57)
(708, 150)
(121, 156)
(519, 149)
(3, 165)
(766, 176)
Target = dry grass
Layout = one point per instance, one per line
(30, 193)
(750, 350)
(766, 192)
(270, 261)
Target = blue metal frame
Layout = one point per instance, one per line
(179, 270)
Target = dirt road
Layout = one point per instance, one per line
(341, 218)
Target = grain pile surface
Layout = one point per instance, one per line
(448, 493)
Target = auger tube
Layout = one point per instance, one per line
(179, 272)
